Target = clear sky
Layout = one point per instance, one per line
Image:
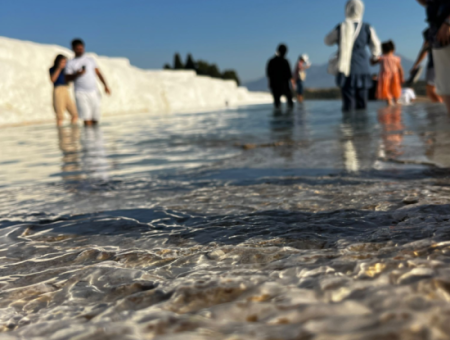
(239, 34)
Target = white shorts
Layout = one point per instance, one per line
(88, 105)
(442, 66)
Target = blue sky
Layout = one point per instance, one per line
(239, 34)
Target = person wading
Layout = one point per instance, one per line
(300, 76)
(352, 64)
(83, 71)
(438, 14)
(280, 76)
(431, 72)
(61, 95)
(391, 75)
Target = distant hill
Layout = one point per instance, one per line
(318, 77)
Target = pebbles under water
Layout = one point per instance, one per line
(230, 225)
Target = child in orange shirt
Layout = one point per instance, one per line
(391, 74)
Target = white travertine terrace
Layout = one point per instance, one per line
(26, 91)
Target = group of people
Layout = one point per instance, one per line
(281, 79)
(351, 64)
(83, 71)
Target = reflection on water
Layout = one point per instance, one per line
(331, 227)
(315, 136)
(351, 124)
(69, 144)
(83, 154)
(359, 141)
(390, 119)
(94, 158)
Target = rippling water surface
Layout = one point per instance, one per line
(242, 224)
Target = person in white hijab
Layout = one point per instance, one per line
(352, 37)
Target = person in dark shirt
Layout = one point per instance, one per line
(61, 97)
(280, 76)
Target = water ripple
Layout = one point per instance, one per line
(224, 226)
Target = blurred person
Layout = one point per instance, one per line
(300, 76)
(352, 64)
(391, 75)
(280, 76)
(83, 71)
(430, 71)
(61, 96)
(438, 16)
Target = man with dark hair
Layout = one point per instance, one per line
(280, 75)
(83, 71)
(76, 42)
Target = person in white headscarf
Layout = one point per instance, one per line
(352, 64)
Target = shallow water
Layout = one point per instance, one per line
(242, 224)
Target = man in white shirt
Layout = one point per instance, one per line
(83, 71)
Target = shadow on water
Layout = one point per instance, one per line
(301, 230)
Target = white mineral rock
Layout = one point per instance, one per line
(26, 91)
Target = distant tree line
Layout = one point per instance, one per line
(202, 68)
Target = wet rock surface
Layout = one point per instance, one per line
(251, 246)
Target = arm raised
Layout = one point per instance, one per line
(55, 75)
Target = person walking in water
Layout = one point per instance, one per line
(61, 95)
(83, 71)
(431, 72)
(300, 76)
(438, 14)
(280, 76)
(352, 64)
(391, 75)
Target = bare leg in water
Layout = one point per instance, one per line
(432, 95)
